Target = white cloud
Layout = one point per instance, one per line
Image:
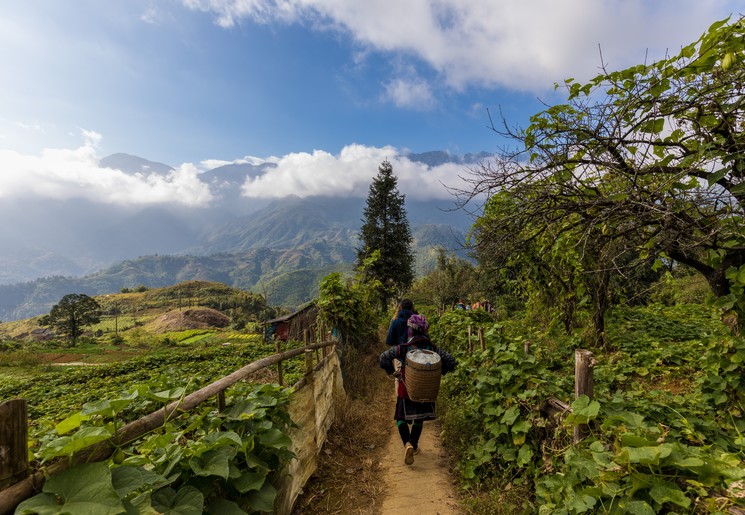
(150, 15)
(410, 93)
(75, 173)
(349, 174)
(62, 174)
(523, 45)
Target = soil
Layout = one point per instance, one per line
(71, 358)
(361, 467)
(193, 318)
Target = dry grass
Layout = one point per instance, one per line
(348, 477)
(19, 358)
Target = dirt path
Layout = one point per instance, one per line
(425, 487)
(361, 467)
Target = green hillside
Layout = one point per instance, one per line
(288, 276)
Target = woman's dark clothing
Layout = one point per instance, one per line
(398, 332)
(406, 409)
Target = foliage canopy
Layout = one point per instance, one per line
(72, 314)
(646, 162)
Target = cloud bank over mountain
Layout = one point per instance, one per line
(77, 173)
(350, 173)
(62, 174)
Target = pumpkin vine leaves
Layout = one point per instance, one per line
(195, 462)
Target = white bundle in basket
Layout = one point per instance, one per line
(423, 369)
(423, 357)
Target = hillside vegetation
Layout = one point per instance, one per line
(287, 277)
(153, 311)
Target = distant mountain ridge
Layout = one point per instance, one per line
(133, 164)
(93, 248)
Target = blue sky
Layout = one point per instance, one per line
(323, 88)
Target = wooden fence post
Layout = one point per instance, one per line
(322, 338)
(584, 384)
(279, 364)
(13, 442)
(526, 346)
(470, 345)
(308, 355)
(482, 343)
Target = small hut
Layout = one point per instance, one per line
(292, 326)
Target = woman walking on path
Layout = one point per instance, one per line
(408, 411)
(397, 331)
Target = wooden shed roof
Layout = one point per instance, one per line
(285, 318)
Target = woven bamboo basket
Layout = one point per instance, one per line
(423, 379)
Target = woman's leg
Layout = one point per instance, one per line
(403, 430)
(416, 432)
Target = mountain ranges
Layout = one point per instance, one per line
(280, 248)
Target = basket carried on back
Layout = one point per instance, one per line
(423, 372)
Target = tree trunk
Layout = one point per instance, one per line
(602, 280)
(569, 311)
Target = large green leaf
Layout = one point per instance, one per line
(241, 410)
(249, 481)
(108, 407)
(262, 500)
(666, 492)
(213, 463)
(167, 395)
(584, 409)
(187, 501)
(219, 438)
(70, 423)
(224, 507)
(82, 490)
(275, 439)
(650, 455)
(635, 507)
(524, 456)
(68, 445)
(127, 479)
(511, 415)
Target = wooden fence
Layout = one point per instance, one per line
(316, 396)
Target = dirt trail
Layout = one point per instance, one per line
(425, 487)
(361, 468)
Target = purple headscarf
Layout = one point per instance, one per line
(417, 323)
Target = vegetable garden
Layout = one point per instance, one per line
(666, 427)
(220, 458)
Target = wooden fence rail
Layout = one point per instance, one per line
(13, 495)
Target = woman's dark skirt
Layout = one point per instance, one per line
(406, 409)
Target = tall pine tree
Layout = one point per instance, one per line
(386, 229)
